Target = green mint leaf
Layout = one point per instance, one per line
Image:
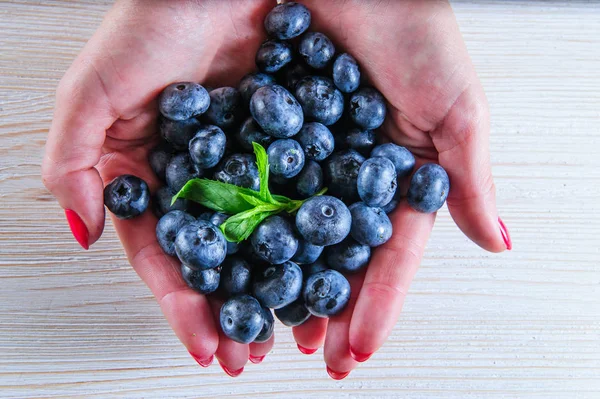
(293, 205)
(281, 198)
(262, 162)
(239, 227)
(254, 201)
(216, 195)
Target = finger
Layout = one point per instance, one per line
(258, 351)
(310, 335)
(232, 355)
(462, 141)
(390, 272)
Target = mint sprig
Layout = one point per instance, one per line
(247, 207)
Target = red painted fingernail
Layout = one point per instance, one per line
(256, 359)
(231, 373)
(306, 351)
(203, 362)
(337, 375)
(78, 228)
(359, 357)
(505, 234)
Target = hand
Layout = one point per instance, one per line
(105, 123)
(411, 51)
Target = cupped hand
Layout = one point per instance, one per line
(412, 52)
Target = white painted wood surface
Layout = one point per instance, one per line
(520, 324)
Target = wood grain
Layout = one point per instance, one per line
(520, 324)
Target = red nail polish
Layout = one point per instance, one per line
(306, 351)
(360, 357)
(203, 362)
(231, 373)
(505, 234)
(337, 375)
(256, 359)
(78, 228)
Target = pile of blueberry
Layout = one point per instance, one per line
(308, 108)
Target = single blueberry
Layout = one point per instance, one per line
(273, 55)
(167, 228)
(206, 216)
(367, 108)
(370, 226)
(309, 180)
(208, 146)
(360, 140)
(202, 281)
(250, 133)
(346, 74)
(184, 100)
(286, 158)
(268, 327)
(239, 169)
(377, 181)
(276, 111)
(292, 74)
(242, 318)
(276, 286)
(326, 293)
(127, 196)
(320, 99)
(158, 158)
(226, 107)
(236, 276)
(288, 20)
(294, 314)
(200, 245)
(162, 202)
(316, 49)
(307, 253)
(391, 206)
(341, 174)
(316, 141)
(323, 220)
(252, 82)
(348, 256)
(274, 240)
(217, 219)
(312, 268)
(178, 133)
(180, 170)
(403, 159)
(428, 188)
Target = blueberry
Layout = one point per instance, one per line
(252, 82)
(217, 219)
(287, 20)
(162, 201)
(167, 228)
(323, 220)
(286, 158)
(316, 141)
(226, 108)
(276, 286)
(390, 207)
(178, 133)
(294, 314)
(370, 226)
(360, 140)
(377, 181)
(239, 169)
(184, 100)
(312, 268)
(202, 281)
(207, 147)
(180, 170)
(269, 325)
(326, 293)
(367, 108)
(403, 160)
(309, 180)
(348, 256)
(236, 276)
(250, 132)
(242, 318)
(206, 216)
(294, 73)
(346, 74)
(276, 111)
(341, 174)
(316, 49)
(274, 240)
(158, 158)
(320, 100)
(273, 55)
(307, 253)
(428, 188)
(127, 196)
(200, 245)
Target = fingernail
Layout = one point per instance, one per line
(256, 359)
(306, 351)
(359, 357)
(203, 362)
(78, 228)
(337, 375)
(505, 234)
(231, 373)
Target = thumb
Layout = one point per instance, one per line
(462, 141)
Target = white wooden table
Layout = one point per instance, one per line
(520, 324)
